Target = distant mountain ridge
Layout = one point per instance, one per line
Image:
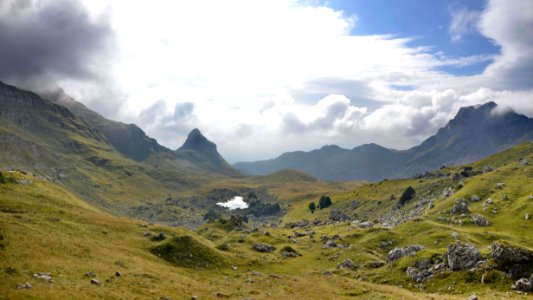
(474, 133)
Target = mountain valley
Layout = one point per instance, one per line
(93, 208)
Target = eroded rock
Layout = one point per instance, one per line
(398, 253)
(263, 248)
(462, 256)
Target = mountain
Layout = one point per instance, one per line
(203, 152)
(109, 164)
(197, 153)
(474, 133)
(128, 139)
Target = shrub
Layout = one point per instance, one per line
(407, 195)
(312, 207)
(325, 201)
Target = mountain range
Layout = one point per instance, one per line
(58, 138)
(474, 133)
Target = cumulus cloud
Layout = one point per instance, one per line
(264, 77)
(510, 25)
(45, 42)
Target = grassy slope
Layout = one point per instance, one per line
(434, 227)
(45, 228)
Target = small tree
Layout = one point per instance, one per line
(312, 207)
(325, 201)
(407, 195)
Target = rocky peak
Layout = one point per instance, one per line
(198, 142)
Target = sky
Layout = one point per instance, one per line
(260, 78)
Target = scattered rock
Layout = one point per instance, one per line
(263, 248)
(460, 207)
(326, 272)
(480, 220)
(486, 203)
(118, 274)
(299, 234)
(337, 215)
(398, 253)
(44, 276)
(488, 169)
(95, 281)
(366, 224)
(455, 235)
(221, 295)
(24, 286)
(523, 284)
(500, 185)
(513, 260)
(329, 244)
(165, 298)
(266, 233)
(300, 224)
(194, 297)
(475, 198)
(90, 274)
(447, 192)
(423, 269)
(523, 162)
(473, 297)
(255, 273)
(347, 264)
(526, 217)
(462, 256)
(288, 254)
(147, 233)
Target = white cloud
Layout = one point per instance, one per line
(464, 21)
(510, 25)
(264, 77)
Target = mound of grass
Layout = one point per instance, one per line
(185, 251)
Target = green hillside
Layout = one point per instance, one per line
(45, 228)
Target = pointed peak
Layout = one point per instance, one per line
(197, 141)
(196, 131)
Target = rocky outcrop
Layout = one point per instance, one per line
(462, 256)
(398, 253)
(347, 264)
(511, 259)
(480, 220)
(523, 284)
(460, 207)
(263, 248)
(421, 270)
(337, 215)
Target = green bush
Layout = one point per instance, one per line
(407, 195)
(325, 201)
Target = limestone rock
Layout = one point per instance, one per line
(462, 256)
(398, 253)
(263, 248)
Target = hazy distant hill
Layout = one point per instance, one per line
(474, 133)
